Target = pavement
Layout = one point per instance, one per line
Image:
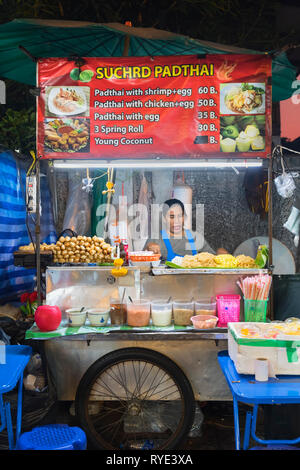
(214, 433)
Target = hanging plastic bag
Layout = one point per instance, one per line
(4, 338)
(78, 209)
(293, 224)
(284, 183)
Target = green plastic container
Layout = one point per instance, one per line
(255, 310)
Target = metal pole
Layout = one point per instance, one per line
(111, 173)
(37, 233)
(108, 203)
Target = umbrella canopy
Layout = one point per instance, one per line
(51, 38)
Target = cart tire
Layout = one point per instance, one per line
(135, 372)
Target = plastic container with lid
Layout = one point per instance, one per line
(205, 307)
(138, 312)
(161, 313)
(118, 312)
(204, 321)
(183, 312)
(143, 258)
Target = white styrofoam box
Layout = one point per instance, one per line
(282, 353)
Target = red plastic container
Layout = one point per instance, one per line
(228, 308)
(47, 317)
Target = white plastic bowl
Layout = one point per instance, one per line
(98, 317)
(76, 317)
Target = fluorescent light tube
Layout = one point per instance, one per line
(158, 163)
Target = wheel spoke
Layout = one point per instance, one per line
(153, 379)
(136, 381)
(109, 389)
(120, 383)
(124, 380)
(141, 396)
(107, 426)
(96, 394)
(152, 366)
(117, 428)
(102, 415)
(154, 389)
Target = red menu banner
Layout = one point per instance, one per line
(160, 107)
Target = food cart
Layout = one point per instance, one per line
(136, 387)
(173, 366)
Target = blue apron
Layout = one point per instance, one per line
(167, 242)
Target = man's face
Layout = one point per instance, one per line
(175, 220)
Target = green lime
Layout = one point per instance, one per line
(90, 72)
(86, 75)
(74, 74)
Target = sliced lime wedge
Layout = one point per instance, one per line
(86, 75)
(90, 72)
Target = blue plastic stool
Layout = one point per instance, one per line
(53, 437)
(13, 360)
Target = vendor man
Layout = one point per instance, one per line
(175, 239)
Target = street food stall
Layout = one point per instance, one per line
(139, 336)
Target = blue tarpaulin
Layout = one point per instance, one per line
(13, 230)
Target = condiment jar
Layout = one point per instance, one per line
(118, 312)
(183, 312)
(138, 312)
(161, 313)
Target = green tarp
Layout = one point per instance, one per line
(50, 38)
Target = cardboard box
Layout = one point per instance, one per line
(282, 352)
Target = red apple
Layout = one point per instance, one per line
(47, 317)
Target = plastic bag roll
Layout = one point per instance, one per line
(261, 369)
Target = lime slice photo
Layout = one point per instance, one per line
(86, 75)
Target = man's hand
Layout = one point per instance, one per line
(222, 251)
(154, 247)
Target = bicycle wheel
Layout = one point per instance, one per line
(135, 398)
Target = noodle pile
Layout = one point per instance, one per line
(201, 260)
(208, 260)
(245, 261)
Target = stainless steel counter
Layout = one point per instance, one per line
(69, 357)
(195, 352)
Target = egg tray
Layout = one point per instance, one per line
(28, 259)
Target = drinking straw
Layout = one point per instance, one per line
(256, 287)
